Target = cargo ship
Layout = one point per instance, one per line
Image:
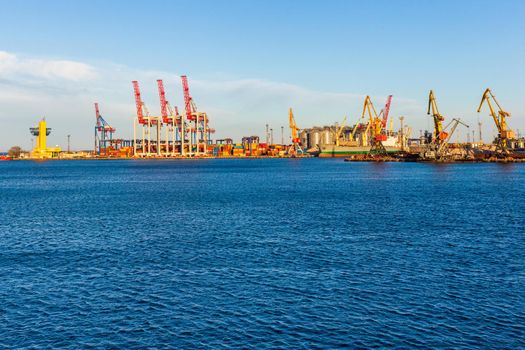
(353, 150)
(333, 151)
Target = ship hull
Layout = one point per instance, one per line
(333, 151)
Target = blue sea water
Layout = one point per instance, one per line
(275, 253)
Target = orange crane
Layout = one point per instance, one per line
(500, 119)
(296, 141)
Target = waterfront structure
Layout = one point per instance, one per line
(41, 150)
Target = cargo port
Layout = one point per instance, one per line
(262, 174)
(188, 133)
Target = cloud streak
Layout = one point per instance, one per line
(11, 65)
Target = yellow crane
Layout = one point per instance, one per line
(439, 134)
(500, 119)
(352, 134)
(375, 125)
(442, 150)
(438, 148)
(296, 141)
(339, 131)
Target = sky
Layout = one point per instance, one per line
(249, 61)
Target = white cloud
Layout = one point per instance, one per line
(14, 66)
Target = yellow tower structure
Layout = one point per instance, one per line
(41, 150)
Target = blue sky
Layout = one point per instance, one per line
(248, 61)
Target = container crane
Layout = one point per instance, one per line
(500, 119)
(103, 132)
(168, 118)
(146, 121)
(199, 120)
(296, 141)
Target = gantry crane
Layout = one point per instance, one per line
(500, 119)
(171, 120)
(374, 125)
(198, 120)
(296, 141)
(103, 132)
(146, 121)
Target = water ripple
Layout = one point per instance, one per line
(261, 254)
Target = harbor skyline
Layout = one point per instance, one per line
(320, 60)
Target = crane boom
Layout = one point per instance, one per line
(102, 124)
(296, 141)
(368, 106)
(374, 122)
(439, 134)
(386, 111)
(339, 131)
(163, 101)
(97, 112)
(500, 118)
(138, 101)
(187, 98)
(444, 145)
(293, 127)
